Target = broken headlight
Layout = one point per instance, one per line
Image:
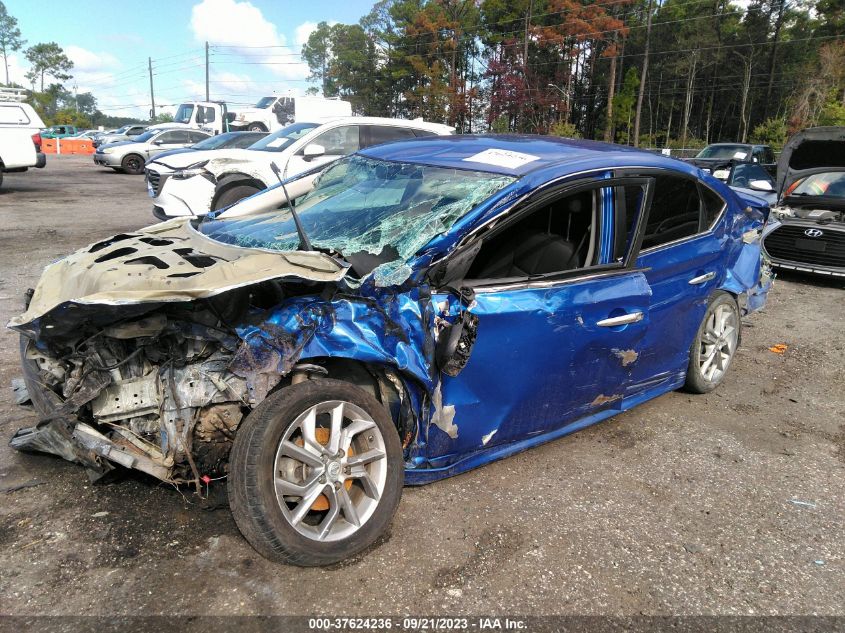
(190, 171)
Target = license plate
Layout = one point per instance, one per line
(816, 246)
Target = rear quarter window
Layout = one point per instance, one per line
(674, 212)
(13, 115)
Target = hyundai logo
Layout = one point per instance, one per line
(813, 232)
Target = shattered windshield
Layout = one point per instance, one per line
(366, 205)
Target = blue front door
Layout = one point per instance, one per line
(544, 355)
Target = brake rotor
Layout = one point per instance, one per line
(322, 434)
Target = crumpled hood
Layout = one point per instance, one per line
(811, 151)
(167, 262)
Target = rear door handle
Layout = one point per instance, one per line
(701, 279)
(625, 319)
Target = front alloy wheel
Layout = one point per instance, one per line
(715, 344)
(315, 473)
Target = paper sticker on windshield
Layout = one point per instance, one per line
(502, 158)
(276, 142)
(740, 155)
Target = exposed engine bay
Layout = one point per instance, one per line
(162, 393)
(822, 216)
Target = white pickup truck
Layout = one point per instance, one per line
(273, 113)
(20, 139)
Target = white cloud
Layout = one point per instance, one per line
(242, 26)
(306, 29)
(233, 23)
(85, 61)
(303, 31)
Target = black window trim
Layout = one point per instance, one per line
(530, 203)
(656, 171)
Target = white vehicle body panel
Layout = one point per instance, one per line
(303, 109)
(178, 197)
(18, 122)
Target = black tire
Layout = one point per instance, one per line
(252, 496)
(234, 194)
(697, 381)
(1, 175)
(256, 127)
(133, 164)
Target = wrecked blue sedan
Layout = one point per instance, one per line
(414, 311)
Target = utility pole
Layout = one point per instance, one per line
(206, 71)
(152, 94)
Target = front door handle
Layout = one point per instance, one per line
(625, 319)
(701, 278)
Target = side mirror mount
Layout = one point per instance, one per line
(761, 185)
(313, 150)
(158, 141)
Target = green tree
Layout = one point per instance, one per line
(772, 132)
(10, 37)
(48, 59)
(317, 54)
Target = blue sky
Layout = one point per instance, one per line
(255, 46)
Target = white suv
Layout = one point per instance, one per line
(196, 183)
(20, 140)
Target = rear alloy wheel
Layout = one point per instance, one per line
(133, 164)
(715, 344)
(315, 473)
(256, 127)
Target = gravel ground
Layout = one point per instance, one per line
(729, 503)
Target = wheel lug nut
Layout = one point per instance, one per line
(323, 479)
(337, 485)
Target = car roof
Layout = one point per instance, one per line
(377, 120)
(512, 154)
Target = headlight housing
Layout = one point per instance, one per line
(190, 171)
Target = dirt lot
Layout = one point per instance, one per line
(731, 503)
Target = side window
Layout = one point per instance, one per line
(377, 134)
(563, 234)
(13, 114)
(712, 205)
(674, 212)
(168, 138)
(339, 141)
(208, 114)
(424, 133)
(196, 137)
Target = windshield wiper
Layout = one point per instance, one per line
(304, 244)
